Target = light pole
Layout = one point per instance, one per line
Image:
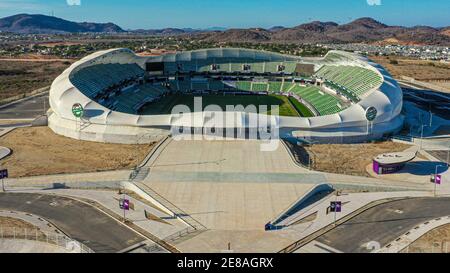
(124, 209)
(435, 178)
(335, 210)
(448, 157)
(431, 118)
(421, 136)
(337, 207)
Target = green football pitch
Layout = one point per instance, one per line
(285, 106)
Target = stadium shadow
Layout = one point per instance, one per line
(424, 168)
(91, 113)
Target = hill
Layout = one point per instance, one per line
(363, 30)
(36, 23)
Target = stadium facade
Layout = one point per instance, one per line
(351, 98)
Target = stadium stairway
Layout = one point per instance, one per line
(137, 178)
(140, 174)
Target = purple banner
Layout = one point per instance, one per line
(124, 204)
(3, 174)
(438, 179)
(336, 206)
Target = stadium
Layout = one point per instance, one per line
(126, 98)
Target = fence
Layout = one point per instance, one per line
(59, 240)
(179, 234)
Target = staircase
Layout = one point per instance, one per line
(139, 174)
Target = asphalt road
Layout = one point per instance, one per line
(80, 221)
(26, 109)
(384, 223)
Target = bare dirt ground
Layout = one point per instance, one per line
(38, 151)
(422, 70)
(12, 227)
(443, 84)
(435, 241)
(349, 159)
(21, 77)
(8, 222)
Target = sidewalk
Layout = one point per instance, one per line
(360, 182)
(48, 180)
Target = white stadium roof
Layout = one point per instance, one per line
(386, 98)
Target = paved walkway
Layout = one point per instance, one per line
(224, 156)
(27, 246)
(317, 247)
(28, 108)
(4, 131)
(49, 180)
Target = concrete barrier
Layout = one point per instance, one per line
(302, 202)
(4, 152)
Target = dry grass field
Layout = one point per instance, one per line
(421, 70)
(349, 159)
(13, 227)
(435, 241)
(9, 222)
(21, 77)
(38, 151)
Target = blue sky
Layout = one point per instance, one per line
(235, 13)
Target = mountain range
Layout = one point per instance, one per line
(363, 30)
(40, 24)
